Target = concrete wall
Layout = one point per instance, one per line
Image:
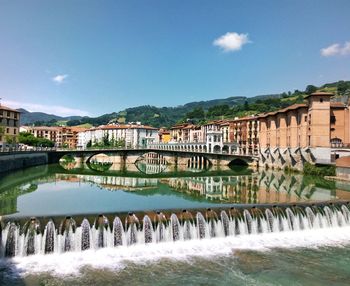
(20, 161)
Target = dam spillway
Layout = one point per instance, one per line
(31, 237)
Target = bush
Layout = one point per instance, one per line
(317, 170)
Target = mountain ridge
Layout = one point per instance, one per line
(199, 110)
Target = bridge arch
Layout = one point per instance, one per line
(239, 162)
(99, 161)
(226, 149)
(217, 149)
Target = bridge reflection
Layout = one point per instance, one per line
(263, 187)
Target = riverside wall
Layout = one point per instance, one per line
(11, 162)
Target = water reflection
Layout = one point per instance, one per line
(174, 190)
(150, 164)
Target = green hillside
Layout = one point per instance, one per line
(202, 111)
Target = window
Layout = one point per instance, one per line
(333, 119)
(321, 100)
(14, 131)
(305, 119)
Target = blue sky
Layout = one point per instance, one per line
(93, 57)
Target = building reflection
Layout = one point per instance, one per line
(112, 183)
(262, 187)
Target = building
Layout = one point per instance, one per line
(53, 134)
(304, 132)
(9, 125)
(246, 134)
(130, 135)
(62, 136)
(164, 136)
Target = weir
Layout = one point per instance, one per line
(45, 236)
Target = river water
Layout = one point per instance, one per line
(295, 256)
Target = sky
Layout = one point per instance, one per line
(85, 57)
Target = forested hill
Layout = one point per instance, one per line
(202, 111)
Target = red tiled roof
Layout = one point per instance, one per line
(292, 107)
(320, 93)
(125, 126)
(337, 104)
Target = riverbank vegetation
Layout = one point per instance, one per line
(28, 139)
(319, 170)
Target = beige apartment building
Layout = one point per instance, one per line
(9, 125)
(62, 136)
(304, 132)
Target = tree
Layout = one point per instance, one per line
(29, 139)
(246, 105)
(105, 140)
(342, 87)
(197, 113)
(300, 99)
(310, 89)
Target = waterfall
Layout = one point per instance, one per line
(131, 227)
(310, 217)
(225, 223)
(28, 239)
(147, 229)
(85, 234)
(101, 227)
(291, 219)
(118, 232)
(346, 213)
(11, 241)
(175, 227)
(270, 220)
(201, 225)
(248, 221)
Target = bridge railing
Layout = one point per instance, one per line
(26, 149)
(150, 148)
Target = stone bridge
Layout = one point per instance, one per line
(175, 157)
(20, 159)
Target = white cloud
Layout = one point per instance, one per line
(50, 109)
(60, 78)
(231, 41)
(336, 50)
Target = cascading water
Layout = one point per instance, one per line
(29, 240)
(131, 227)
(225, 223)
(147, 229)
(85, 234)
(118, 232)
(50, 237)
(160, 221)
(201, 225)
(175, 227)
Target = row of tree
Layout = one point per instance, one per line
(107, 142)
(29, 139)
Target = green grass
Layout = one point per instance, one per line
(86, 125)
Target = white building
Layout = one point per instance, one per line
(134, 135)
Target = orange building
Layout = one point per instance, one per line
(304, 132)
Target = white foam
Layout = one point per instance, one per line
(115, 258)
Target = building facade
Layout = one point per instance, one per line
(9, 125)
(245, 132)
(62, 136)
(304, 132)
(130, 135)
